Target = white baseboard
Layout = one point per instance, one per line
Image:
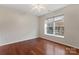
(28, 38)
(64, 43)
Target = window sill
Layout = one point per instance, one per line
(55, 35)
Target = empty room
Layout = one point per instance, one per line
(39, 29)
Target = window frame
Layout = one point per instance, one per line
(45, 30)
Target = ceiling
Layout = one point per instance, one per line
(24, 8)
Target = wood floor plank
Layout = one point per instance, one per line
(38, 46)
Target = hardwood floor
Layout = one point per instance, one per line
(38, 46)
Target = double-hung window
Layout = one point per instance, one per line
(55, 26)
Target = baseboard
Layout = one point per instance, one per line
(61, 43)
(29, 38)
(34, 37)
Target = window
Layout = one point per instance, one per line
(55, 26)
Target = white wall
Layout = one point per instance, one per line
(16, 27)
(71, 26)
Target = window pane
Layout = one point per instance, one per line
(49, 26)
(55, 26)
(59, 27)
